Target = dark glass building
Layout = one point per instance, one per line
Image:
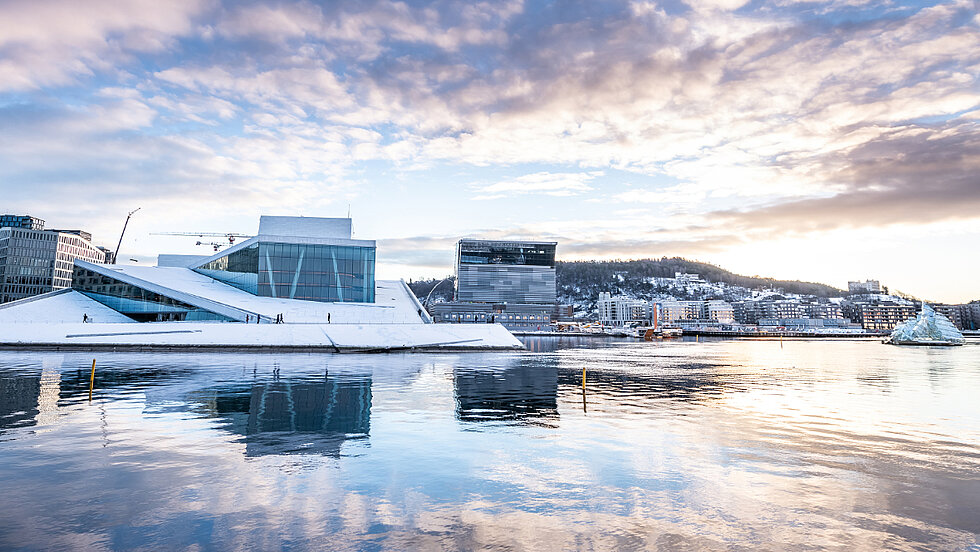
(505, 271)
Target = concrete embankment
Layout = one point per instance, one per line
(259, 337)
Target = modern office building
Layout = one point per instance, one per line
(21, 221)
(505, 271)
(35, 261)
(508, 282)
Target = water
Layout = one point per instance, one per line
(734, 445)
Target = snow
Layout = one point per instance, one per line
(64, 305)
(237, 335)
(927, 328)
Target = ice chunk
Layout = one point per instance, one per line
(929, 328)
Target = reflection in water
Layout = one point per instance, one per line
(18, 400)
(708, 445)
(526, 393)
(288, 416)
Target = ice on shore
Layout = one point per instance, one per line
(929, 327)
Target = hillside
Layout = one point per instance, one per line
(582, 281)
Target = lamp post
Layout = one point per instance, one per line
(426, 302)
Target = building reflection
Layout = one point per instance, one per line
(31, 399)
(18, 400)
(526, 394)
(685, 383)
(294, 416)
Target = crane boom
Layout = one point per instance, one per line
(202, 234)
(115, 256)
(230, 236)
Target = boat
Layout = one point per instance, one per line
(928, 328)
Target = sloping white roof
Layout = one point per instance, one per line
(394, 302)
(64, 305)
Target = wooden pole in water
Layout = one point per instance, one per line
(91, 381)
(584, 409)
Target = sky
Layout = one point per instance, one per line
(821, 141)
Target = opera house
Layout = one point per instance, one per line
(300, 283)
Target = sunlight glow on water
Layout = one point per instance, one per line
(681, 445)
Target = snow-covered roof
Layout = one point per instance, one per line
(394, 302)
(63, 305)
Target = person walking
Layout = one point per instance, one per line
(84, 318)
(328, 318)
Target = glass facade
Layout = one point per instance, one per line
(135, 302)
(326, 273)
(239, 268)
(33, 262)
(505, 272)
(507, 253)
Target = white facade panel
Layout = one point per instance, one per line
(307, 227)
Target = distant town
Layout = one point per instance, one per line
(521, 285)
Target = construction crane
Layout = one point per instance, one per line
(230, 236)
(215, 245)
(123, 233)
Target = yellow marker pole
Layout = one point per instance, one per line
(584, 409)
(91, 381)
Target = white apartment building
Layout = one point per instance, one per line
(720, 311)
(619, 310)
(673, 310)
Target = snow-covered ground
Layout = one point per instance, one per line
(60, 306)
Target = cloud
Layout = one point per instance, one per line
(544, 183)
(908, 176)
(734, 117)
(55, 42)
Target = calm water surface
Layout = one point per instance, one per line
(718, 445)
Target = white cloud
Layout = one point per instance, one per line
(545, 183)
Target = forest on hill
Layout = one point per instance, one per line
(586, 279)
(580, 282)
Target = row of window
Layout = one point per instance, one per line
(21, 291)
(456, 316)
(137, 303)
(328, 273)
